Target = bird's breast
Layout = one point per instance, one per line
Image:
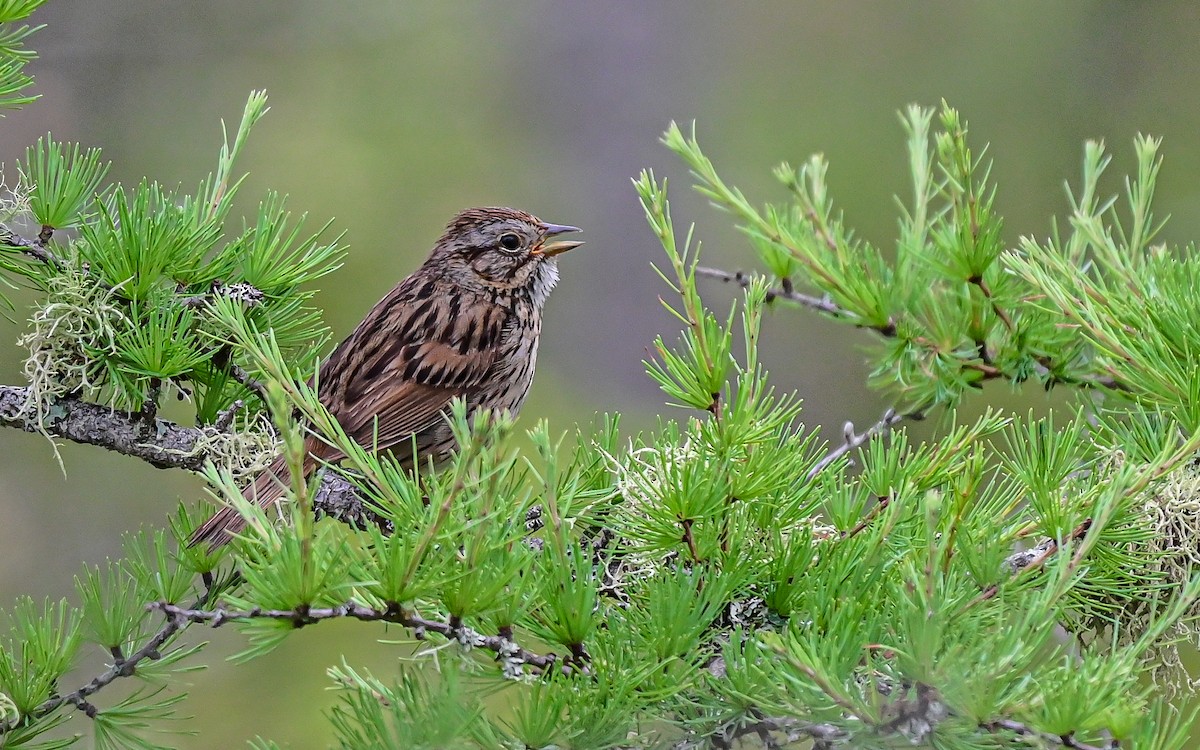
(516, 360)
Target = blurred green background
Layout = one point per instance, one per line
(392, 116)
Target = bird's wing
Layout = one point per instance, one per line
(415, 351)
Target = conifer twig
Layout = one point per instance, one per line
(764, 728)
(985, 367)
(35, 249)
(122, 666)
(238, 373)
(1030, 560)
(785, 291)
(504, 647)
(852, 439)
(1065, 740)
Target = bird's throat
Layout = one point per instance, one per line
(545, 276)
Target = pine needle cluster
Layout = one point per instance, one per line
(129, 276)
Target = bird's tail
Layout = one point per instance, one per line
(266, 490)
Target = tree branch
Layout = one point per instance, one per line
(820, 304)
(238, 373)
(987, 370)
(168, 445)
(852, 440)
(769, 730)
(513, 656)
(35, 249)
(1066, 740)
(120, 668)
(162, 444)
(1030, 560)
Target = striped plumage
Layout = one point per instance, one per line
(466, 323)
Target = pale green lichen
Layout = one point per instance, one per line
(71, 328)
(242, 452)
(14, 200)
(9, 713)
(1173, 510)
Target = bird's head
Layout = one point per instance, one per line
(502, 249)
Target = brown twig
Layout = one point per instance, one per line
(1064, 740)
(820, 304)
(922, 714)
(690, 539)
(852, 440)
(1030, 560)
(1000, 312)
(120, 668)
(866, 520)
(225, 417)
(35, 248)
(1045, 368)
(238, 373)
(764, 728)
(826, 305)
(505, 648)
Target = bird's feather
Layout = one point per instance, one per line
(407, 360)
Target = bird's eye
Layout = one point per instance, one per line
(510, 241)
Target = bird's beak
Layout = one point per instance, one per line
(554, 248)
